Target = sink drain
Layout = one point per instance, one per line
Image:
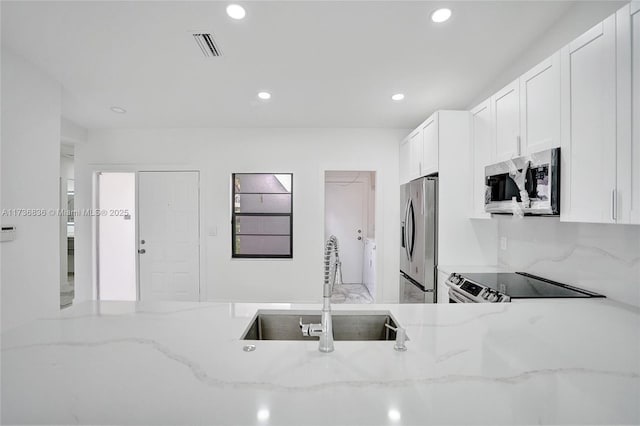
(249, 348)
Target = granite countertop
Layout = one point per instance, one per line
(557, 362)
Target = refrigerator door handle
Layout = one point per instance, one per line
(403, 225)
(406, 230)
(412, 226)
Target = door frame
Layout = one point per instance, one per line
(377, 218)
(95, 170)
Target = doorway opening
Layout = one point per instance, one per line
(117, 236)
(67, 226)
(349, 215)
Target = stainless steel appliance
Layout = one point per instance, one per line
(528, 185)
(419, 244)
(508, 287)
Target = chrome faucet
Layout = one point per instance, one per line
(325, 328)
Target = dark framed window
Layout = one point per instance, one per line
(262, 215)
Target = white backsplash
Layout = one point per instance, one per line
(602, 258)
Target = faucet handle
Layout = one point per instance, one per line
(304, 328)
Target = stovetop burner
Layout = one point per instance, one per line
(521, 285)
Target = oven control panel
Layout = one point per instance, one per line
(463, 290)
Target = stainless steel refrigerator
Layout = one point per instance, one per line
(419, 240)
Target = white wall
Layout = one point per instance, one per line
(217, 153)
(30, 175)
(599, 257)
(461, 241)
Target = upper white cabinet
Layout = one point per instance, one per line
(429, 131)
(506, 121)
(526, 113)
(627, 198)
(481, 148)
(419, 151)
(522, 118)
(405, 159)
(415, 150)
(586, 99)
(588, 126)
(540, 107)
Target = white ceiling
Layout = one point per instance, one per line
(327, 64)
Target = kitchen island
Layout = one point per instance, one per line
(559, 362)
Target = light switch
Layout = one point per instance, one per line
(8, 233)
(213, 232)
(503, 243)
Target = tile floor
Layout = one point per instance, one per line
(67, 292)
(350, 293)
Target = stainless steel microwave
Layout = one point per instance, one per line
(527, 185)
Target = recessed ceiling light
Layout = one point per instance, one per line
(264, 96)
(398, 97)
(118, 110)
(394, 415)
(441, 15)
(263, 415)
(236, 11)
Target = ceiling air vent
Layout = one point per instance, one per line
(207, 45)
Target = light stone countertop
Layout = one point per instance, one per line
(555, 362)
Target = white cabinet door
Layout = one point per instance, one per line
(589, 126)
(506, 120)
(628, 114)
(430, 145)
(405, 160)
(540, 106)
(415, 147)
(481, 146)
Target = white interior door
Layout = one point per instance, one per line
(345, 217)
(117, 236)
(168, 245)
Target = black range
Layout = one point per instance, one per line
(503, 287)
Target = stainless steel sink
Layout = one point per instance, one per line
(357, 325)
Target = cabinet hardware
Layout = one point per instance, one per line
(519, 146)
(614, 205)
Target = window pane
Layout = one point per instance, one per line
(263, 225)
(262, 203)
(263, 183)
(263, 245)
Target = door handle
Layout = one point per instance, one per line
(412, 226)
(142, 251)
(406, 230)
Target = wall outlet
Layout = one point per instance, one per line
(503, 243)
